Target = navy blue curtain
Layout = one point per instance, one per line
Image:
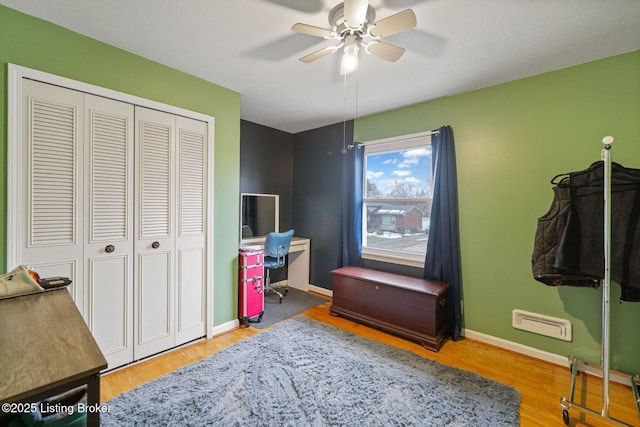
(442, 261)
(351, 218)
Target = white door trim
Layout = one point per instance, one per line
(14, 159)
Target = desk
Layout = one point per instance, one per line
(46, 349)
(298, 270)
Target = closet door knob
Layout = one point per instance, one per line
(109, 248)
(155, 245)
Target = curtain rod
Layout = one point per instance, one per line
(394, 140)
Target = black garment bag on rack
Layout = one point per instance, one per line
(568, 248)
(549, 231)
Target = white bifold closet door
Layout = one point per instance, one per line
(78, 197)
(191, 244)
(109, 238)
(115, 198)
(170, 238)
(155, 234)
(52, 235)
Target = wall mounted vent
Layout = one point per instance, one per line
(541, 324)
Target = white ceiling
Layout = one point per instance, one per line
(248, 46)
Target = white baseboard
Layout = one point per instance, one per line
(226, 327)
(544, 355)
(321, 291)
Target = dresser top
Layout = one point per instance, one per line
(43, 342)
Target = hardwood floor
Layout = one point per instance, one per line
(541, 384)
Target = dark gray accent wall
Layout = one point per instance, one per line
(305, 169)
(266, 166)
(317, 195)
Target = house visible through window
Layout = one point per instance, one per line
(397, 199)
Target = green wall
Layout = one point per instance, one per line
(37, 44)
(511, 139)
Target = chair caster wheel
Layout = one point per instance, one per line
(280, 300)
(565, 416)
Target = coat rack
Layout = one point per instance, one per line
(567, 403)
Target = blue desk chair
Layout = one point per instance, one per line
(276, 249)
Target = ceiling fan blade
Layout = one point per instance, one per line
(355, 11)
(319, 53)
(384, 50)
(394, 24)
(314, 31)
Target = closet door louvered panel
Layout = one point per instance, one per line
(53, 174)
(154, 246)
(191, 239)
(110, 142)
(109, 248)
(192, 152)
(156, 144)
(52, 149)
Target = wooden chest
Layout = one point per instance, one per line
(412, 308)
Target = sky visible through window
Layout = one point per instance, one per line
(399, 174)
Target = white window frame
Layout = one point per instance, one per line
(403, 142)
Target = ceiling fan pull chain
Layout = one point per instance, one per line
(344, 117)
(355, 120)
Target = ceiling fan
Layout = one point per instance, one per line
(353, 23)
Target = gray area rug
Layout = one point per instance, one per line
(295, 302)
(307, 373)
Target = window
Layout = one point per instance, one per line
(397, 199)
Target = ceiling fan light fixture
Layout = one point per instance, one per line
(350, 57)
(353, 23)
